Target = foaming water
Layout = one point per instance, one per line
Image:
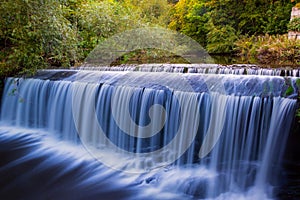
(238, 69)
(36, 165)
(122, 135)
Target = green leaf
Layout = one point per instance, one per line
(289, 91)
(298, 83)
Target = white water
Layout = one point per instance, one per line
(246, 69)
(228, 145)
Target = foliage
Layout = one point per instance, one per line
(213, 23)
(150, 11)
(38, 34)
(278, 18)
(221, 39)
(298, 86)
(142, 56)
(191, 18)
(101, 19)
(294, 25)
(35, 34)
(270, 48)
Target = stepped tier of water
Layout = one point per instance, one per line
(238, 69)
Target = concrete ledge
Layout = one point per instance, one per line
(295, 13)
(294, 35)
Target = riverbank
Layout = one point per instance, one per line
(246, 53)
(270, 49)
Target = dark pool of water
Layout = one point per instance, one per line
(290, 188)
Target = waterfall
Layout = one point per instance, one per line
(184, 134)
(245, 69)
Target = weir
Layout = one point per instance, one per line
(162, 135)
(237, 69)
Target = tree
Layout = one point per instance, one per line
(218, 24)
(35, 34)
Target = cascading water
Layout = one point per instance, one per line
(246, 69)
(120, 135)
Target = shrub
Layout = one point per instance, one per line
(270, 48)
(294, 25)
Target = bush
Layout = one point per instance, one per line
(294, 25)
(270, 48)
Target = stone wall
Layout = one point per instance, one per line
(293, 34)
(295, 13)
